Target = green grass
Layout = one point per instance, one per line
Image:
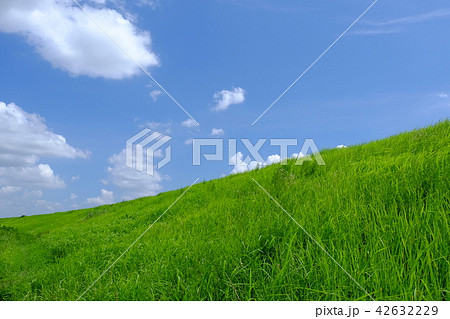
(380, 209)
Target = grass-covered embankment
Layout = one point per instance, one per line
(380, 209)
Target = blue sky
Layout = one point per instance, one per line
(70, 97)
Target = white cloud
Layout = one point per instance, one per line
(155, 94)
(441, 13)
(442, 95)
(66, 37)
(189, 123)
(47, 205)
(98, 1)
(189, 141)
(38, 177)
(298, 155)
(272, 159)
(148, 3)
(160, 127)
(7, 190)
(15, 201)
(24, 138)
(217, 132)
(75, 178)
(399, 24)
(341, 146)
(377, 31)
(106, 197)
(131, 182)
(158, 153)
(242, 165)
(225, 98)
(32, 194)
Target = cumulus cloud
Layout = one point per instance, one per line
(242, 165)
(15, 201)
(66, 37)
(106, 197)
(341, 146)
(217, 132)
(131, 182)
(225, 98)
(272, 159)
(24, 139)
(7, 190)
(189, 123)
(48, 205)
(442, 95)
(39, 177)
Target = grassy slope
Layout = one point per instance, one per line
(380, 209)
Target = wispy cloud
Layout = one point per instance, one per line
(441, 13)
(398, 25)
(148, 3)
(377, 31)
(268, 5)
